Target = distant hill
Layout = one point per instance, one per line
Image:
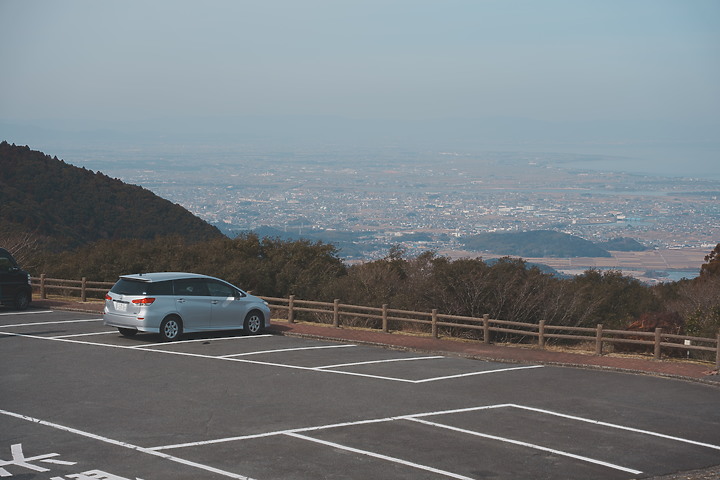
(534, 244)
(64, 206)
(623, 244)
(351, 244)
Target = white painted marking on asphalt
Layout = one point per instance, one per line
(382, 457)
(254, 362)
(529, 445)
(460, 375)
(83, 334)
(619, 427)
(365, 375)
(275, 433)
(26, 313)
(338, 365)
(280, 350)
(333, 425)
(125, 445)
(457, 410)
(181, 342)
(417, 418)
(51, 323)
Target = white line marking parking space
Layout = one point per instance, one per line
(125, 445)
(380, 456)
(281, 350)
(84, 334)
(370, 362)
(58, 322)
(215, 339)
(30, 312)
(528, 445)
(418, 418)
(146, 347)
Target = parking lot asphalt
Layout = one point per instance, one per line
(79, 401)
(695, 371)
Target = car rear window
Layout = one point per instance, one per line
(126, 286)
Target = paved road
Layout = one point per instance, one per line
(79, 401)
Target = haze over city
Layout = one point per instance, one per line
(638, 79)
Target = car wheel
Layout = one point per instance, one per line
(254, 323)
(22, 300)
(127, 332)
(170, 329)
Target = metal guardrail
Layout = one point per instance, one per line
(388, 319)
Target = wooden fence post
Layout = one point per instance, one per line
(83, 293)
(598, 340)
(43, 293)
(658, 339)
(336, 312)
(486, 328)
(291, 312)
(434, 323)
(385, 318)
(541, 334)
(717, 352)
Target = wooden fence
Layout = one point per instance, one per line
(82, 287)
(388, 319)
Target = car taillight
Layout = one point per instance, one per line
(143, 301)
(108, 297)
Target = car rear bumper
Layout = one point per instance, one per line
(129, 321)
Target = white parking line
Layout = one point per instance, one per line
(418, 417)
(125, 445)
(26, 313)
(620, 427)
(382, 457)
(255, 362)
(338, 365)
(180, 342)
(279, 350)
(84, 334)
(529, 445)
(275, 433)
(51, 323)
(484, 372)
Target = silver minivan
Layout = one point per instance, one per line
(173, 303)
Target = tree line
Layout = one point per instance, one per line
(508, 288)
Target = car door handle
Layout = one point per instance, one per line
(181, 300)
(215, 302)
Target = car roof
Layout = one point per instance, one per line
(161, 276)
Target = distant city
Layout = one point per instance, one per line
(368, 201)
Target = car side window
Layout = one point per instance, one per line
(196, 287)
(219, 289)
(160, 288)
(5, 264)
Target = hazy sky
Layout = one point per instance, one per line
(400, 59)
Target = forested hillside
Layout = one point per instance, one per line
(63, 206)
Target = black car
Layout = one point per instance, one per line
(15, 287)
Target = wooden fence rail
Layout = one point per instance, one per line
(44, 284)
(388, 319)
(659, 342)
